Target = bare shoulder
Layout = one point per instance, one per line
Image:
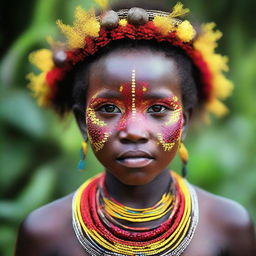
(227, 211)
(45, 227)
(231, 222)
(49, 218)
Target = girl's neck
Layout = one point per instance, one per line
(141, 196)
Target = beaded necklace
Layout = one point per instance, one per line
(112, 211)
(96, 221)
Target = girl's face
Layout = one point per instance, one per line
(134, 114)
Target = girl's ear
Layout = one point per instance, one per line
(80, 119)
(187, 114)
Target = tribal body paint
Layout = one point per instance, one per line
(171, 130)
(97, 129)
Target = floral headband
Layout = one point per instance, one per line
(90, 33)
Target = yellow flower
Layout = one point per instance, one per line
(208, 39)
(217, 107)
(178, 11)
(185, 31)
(39, 88)
(164, 24)
(85, 24)
(74, 39)
(42, 59)
(123, 22)
(217, 64)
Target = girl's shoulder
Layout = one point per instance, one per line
(226, 220)
(50, 216)
(222, 208)
(46, 228)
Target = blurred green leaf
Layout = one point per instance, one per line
(37, 192)
(7, 240)
(19, 109)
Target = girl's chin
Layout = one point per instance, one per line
(135, 178)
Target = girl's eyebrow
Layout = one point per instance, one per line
(158, 95)
(108, 95)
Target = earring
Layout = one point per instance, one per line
(184, 159)
(83, 153)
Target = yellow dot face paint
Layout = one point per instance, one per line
(91, 116)
(97, 129)
(171, 130)
(176, 114)
(133, 93)
(144, 89)
(98, 145)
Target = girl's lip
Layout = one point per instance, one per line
(135, 162)
(134, 154)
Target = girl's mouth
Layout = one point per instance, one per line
(135, 162)
(135, 159)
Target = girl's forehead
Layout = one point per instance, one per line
(146, 66)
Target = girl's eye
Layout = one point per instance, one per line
(109, 108)
(157, 109)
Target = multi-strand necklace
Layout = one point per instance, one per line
(102, 225)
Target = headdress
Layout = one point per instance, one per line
(90, 33)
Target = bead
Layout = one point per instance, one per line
(59, 58)
(81, 165)
(110, 20)
(137, 16)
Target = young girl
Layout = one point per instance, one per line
(134, 79)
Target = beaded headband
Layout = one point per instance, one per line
(90, 33)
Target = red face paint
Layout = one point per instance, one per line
(132, 94)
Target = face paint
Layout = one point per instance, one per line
(96, 129)
(133, 103)
(134, 109)
(133, 94)
(171, 130)
(91, 116)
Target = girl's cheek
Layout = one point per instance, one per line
(98, 131)
(170, 131)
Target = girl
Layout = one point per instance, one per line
(134, 79)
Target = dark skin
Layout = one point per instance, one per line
(224, 226)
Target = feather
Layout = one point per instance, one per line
(178, 11)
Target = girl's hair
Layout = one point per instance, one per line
(74, 88)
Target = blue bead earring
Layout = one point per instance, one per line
(83, 153)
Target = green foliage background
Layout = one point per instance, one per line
(39, 154)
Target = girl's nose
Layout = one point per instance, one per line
(135, 131)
